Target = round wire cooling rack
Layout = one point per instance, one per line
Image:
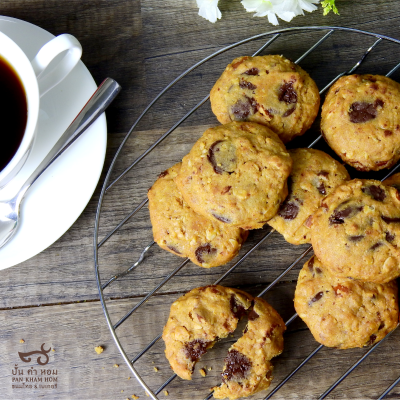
(326, 32)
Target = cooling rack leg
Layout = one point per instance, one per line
(314, 46)
(148, 347)
(389, 389)
(156, 289)
(392, 71)
(291, 266)
(167, 382)
(131, 268)
(294, 371)
(354, 366)
(138, 208)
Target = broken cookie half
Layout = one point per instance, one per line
(248, 369)
(197, 320)
(204, 315)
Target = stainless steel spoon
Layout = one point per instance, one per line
(100, 100)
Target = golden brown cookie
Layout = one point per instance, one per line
(181, 231)
(236, 173)
(356, 231)
(314, 175)
(197, 320)
(248, 369)
(343, 312)
(360, 120)
(270, 90)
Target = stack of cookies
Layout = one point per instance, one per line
(347, 293)
(239, 176)
(235, 177)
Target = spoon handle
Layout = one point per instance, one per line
(95, 106)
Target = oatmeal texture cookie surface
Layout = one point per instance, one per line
(314, 175)
(342, 312)
(248, 369)
(181, 231)
(360, 120)
(356, 231)
(197, 320)
(236, 174)
(270, 90)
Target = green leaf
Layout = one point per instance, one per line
(329, 5)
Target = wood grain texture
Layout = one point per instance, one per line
(144, 45)
(83, 374)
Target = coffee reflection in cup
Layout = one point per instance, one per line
(13, 112)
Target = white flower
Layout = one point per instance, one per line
(284, 9)
(208, 9)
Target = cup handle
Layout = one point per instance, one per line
(47, 79)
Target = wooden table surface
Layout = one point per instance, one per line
(53, 298)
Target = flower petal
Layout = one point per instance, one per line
(209, 10)
(308, 5)
(284, 9)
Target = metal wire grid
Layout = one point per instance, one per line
(274, 35)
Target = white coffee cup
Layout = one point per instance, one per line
(37, 78)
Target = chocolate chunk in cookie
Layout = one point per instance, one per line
(197, 320)
(356, 231)
(361, 121)
(236, 174)
(181, 231)
(314, 175)
(270, 90)
(248, 369)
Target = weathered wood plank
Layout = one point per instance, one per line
(74, 330)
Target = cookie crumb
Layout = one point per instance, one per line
(129, 378)
(134, 397)
(99, 349)
(166, 392)
(203, 372)
(155, 369)
(122, 391)
(116, 365)
(209, 368)
(22, 341)
(147, 394)
(53, 350)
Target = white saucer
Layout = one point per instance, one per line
(60, 195)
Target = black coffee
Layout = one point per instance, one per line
(13, 112)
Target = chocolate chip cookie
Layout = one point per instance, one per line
(360, 120)
(236, 174)
(181, 231)
(356, 231)
(197, 320)
(270, 90)
(314, 175)
(343, 312)
(248, 369)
